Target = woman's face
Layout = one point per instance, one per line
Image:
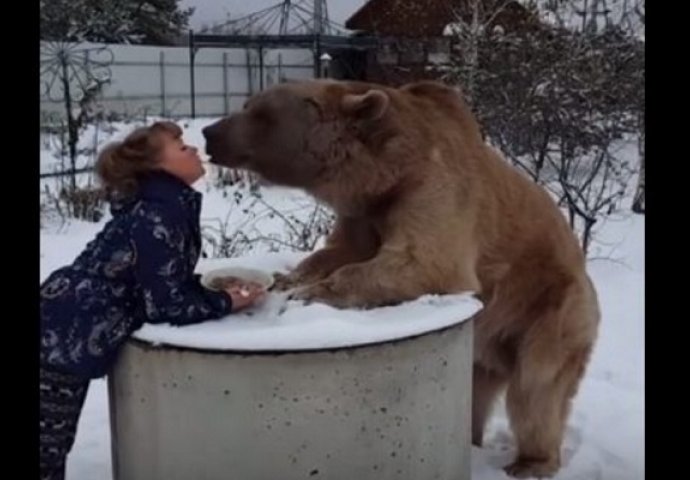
(180, 159)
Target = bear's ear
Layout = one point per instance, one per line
(368, 106)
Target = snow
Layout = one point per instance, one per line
(605, 435)
(280, 324)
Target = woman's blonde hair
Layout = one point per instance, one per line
(120, 165)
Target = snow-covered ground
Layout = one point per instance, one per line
(605, 436)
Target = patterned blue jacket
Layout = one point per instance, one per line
(139, 268)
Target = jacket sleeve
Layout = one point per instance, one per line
(171, 291)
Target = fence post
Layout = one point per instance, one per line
(226, 100)
(161, 62)
(261, 68)
(250, 78)
(192, 92)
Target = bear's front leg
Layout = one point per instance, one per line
(314, 268)
(387, 279)
(352, 241)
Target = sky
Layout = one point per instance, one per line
(213, 11)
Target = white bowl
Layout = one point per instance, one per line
(249, 274)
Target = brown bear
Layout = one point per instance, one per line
(424, 206)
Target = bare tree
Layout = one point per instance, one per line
(472, 22)
(559, 103)
(302, 226)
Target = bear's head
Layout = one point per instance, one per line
(307, 134)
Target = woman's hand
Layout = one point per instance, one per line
(244, 295)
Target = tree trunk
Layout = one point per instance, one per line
(638, 201)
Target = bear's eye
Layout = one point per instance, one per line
(261, 114)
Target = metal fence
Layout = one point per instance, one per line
(157, 80)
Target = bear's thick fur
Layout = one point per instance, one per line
(424, 206)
